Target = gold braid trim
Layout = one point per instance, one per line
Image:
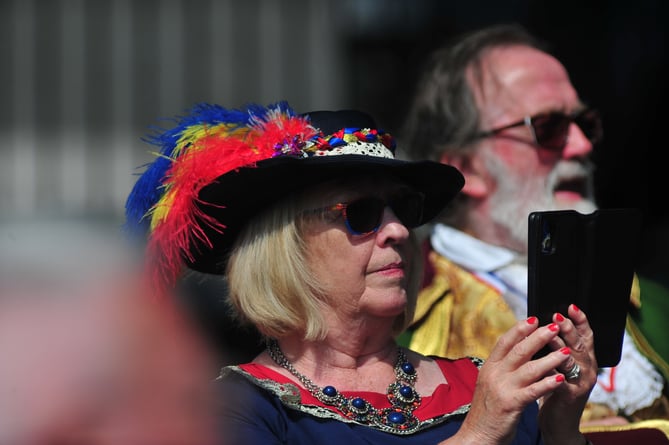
(657, 424)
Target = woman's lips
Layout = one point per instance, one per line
(392, 269)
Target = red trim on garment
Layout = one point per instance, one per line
(428, 268)
(612, 381)
(460, 374)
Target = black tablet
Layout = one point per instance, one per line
(588, 260)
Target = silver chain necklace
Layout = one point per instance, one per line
(402, 395)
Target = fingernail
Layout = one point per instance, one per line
(559, 378)
(531, 320)
(559, 317)
(575, 308)
(554, 327)
(565, 350)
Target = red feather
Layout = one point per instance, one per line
(205, 160)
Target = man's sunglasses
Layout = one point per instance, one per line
(551, 130)
(363, 216)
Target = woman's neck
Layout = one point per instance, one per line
(345, 364)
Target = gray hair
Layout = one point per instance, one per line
(444, 116)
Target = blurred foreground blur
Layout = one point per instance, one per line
(86, 357)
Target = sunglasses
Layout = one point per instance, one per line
(551, 130)
(363, 216)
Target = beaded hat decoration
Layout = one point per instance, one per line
(218, 168)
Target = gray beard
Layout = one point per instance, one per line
(516, 197)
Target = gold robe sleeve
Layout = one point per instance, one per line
(458, 315)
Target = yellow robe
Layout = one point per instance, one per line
(457, 314)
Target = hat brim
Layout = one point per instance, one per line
(234, 198)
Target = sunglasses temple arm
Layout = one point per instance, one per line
(530, 125)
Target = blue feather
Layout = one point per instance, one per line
(148, 189)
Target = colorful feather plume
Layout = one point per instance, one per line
(208, 142)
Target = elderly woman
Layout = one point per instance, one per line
(309, 218)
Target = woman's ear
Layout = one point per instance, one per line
(471, 168)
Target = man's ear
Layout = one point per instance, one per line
(470, 167)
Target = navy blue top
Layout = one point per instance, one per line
(258, 410)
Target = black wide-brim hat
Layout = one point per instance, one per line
(326, 146)
(250, 190)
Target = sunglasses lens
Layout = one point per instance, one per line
(590, 124)
(364, 215)
(551, 130)
(409, 208)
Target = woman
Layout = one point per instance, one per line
(309, 219)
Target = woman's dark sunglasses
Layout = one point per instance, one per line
(363, 216)
(551, 130)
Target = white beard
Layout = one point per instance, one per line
(516, 196)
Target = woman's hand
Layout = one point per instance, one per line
(510, 380)
(561, 410)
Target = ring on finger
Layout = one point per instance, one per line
(574, 373)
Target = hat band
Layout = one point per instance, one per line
(350, 140)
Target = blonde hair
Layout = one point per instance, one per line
(272, 286)
(270, 283)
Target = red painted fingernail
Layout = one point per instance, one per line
(531, 320)
(559, 317)
(554, 327)
(565, 350)
(559, 378)
(575, 308)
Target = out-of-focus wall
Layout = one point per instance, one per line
(83, 80)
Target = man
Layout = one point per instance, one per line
(504, 112)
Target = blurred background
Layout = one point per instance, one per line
(82, 81)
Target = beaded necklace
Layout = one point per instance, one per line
(402, 395)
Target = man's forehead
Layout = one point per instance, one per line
(519, 80)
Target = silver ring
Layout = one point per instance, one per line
(574, 373)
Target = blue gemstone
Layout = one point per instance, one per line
(330, 391)
(406, 391)
(358, 403)
(396, 418)
(408, 368)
